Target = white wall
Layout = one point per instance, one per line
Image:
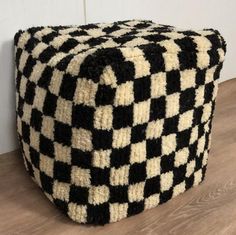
(20, 14)
(16, 14)
(198, 14)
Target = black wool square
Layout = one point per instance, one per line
(48, 37)
(198, 162)
(187, 60)
(62, 65)
(29, 66)
(158, 108)
(142, 89)
(98, 214)
(26, 132)
(197, 115)
(100, 176)
(46, 182)
(61, 205)
(122, 116)
(192, 151)
(189, 181)
(79, 195)
(154, 55)
(18, 81)
(135, 208)
(201, 76)
(166, 196)
(80, 158)
(69, 44)
(167, 163)
(82, 116)
(46, 146)
(187, 100)
(50, 104)
(152, 186)
(153, 148)
(31, 43)
(36, 119)
(188, 54)
(20, 107)
(214, 57)
(102, 139)
(208, 92)
(138, 133)
(183, 138)
(105, 95)
(68, 87)
(18, 56)
(62, 133)
(204, 168)
(34, 156)
(120, 157)
(137, 173)
(119, 194)
(186, 44)
(201, 130)
(47, 54)
(179, 174)
(171, 125)
(172, 81)
(62, 172)
(45, 78)
(124, 71)
(30, 92)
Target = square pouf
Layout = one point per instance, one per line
(114, 119)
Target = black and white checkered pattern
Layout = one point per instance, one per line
(115, 118)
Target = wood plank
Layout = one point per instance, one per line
(207, 209)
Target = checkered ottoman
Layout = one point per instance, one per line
(114, 119)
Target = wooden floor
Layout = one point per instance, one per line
(207, 209)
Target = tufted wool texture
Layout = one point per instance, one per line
(115, 118)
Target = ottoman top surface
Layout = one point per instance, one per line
(56, 45)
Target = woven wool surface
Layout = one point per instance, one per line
(115, 118)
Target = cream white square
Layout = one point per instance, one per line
(154, 129)
(181, 157)
(152, 201)
(98, 194)
(172, 105)
(124, 94)
(64, 111)
(77, 212)
(119, 176)
(85, 92)
(103, 117)
(141, 112)
(80, 176)
(101, 158)
(136, 192)
(187, 78)
(166, 181)
(61, 191)
(138, 152)
(62, 153)
(185, 120)
(46, 164)
(158, 85)
(81, 139)
(153, 167)
(118, 211)
(168, 144)
(121, 137)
